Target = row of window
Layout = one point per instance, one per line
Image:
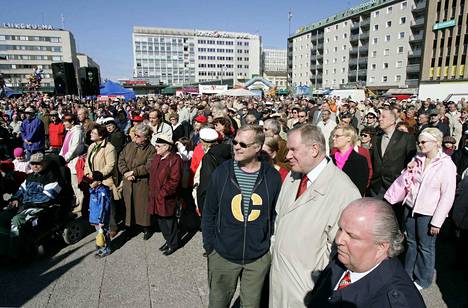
(211, 65)
(216, 73)
(228, 43)
(24, 66)
(219, 58)
(220, 50)
(160, 40)
(24, 76)
(397, 78)
(31, 57)
(34, 48)
(30, 38)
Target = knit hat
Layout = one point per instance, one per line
(18, 152)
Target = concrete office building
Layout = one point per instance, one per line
(179, 56)
(365, 45)
(274, 66)
(444, 71)
(26, 46)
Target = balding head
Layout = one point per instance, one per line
(368, 234)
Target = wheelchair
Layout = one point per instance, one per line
(52, 220)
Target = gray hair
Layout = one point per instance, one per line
(386, 227)
(145, 130)
(311, 134)
(273, 124)
(258, 131)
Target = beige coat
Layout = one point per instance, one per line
(304, 232)
(105, 161)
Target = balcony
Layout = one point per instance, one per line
(364, 36)
(412, 68)
(354, 37)
(353, 51)
(418, 23)
(418, 37)
(420, 7)
(415, 53)
(412, 83)
(355, 26)
(363, 50)
(352, 73)
(365, 23)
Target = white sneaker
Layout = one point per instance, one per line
(417, 286)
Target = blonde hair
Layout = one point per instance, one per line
(433, 133)
(349, 131)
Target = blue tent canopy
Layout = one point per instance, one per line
(110, 88)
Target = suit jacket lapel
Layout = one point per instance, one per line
(378, 145)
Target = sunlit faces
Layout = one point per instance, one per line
(356, 245)
(245, 148)
(386, 119)
(340, 139)
(302, 157)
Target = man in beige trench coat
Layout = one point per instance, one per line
(308, 209)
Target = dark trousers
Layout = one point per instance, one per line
(168, 227)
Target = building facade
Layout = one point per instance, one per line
(365, 45)
(24, 47)
(178, 56)
(274, 66)
(444, 70)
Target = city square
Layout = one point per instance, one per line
(302, 154)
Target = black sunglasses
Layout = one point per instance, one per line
(242, 144)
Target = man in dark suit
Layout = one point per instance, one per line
(365, 270)
(392, 151)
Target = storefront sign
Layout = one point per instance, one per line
(26, 26)
(212, 89)
(445, 24)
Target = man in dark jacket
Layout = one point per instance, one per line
(365, 270)
(237, 221)
(392, 151)
(33, 134)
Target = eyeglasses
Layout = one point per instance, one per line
(242, 144)
(423, 142)
(34, 163)
(365, 135)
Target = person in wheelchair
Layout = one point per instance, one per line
(39, 190)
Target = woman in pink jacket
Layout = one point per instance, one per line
(427, 189)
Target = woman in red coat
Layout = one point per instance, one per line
(165, 174)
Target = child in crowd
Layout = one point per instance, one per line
(99, 212)
(449, 145)
(21, 164)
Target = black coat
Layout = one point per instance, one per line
(357, 169)
(400, 150)
(211, 160)
(460, 205)
(388, 285)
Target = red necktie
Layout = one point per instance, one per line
(345, 281)
(302, 186)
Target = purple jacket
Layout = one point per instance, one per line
(33, 131)
(437, 185)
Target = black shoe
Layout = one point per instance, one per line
(169, 251)
(164, 247)
(147, 235)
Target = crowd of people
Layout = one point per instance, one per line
(292, 194)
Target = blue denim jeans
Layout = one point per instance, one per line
(420, 255)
